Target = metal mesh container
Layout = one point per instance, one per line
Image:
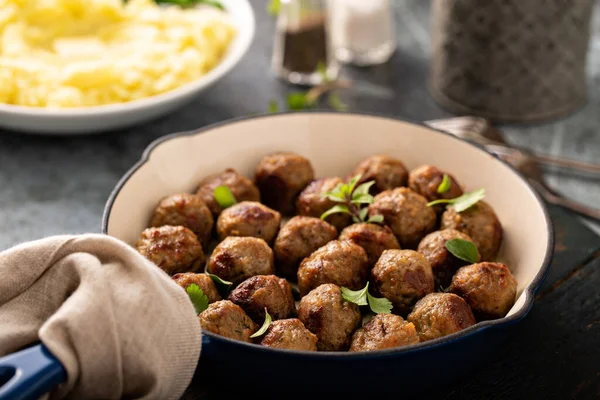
(510, 60)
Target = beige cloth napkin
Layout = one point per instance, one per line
(119, 325)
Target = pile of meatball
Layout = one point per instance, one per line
(273, 238)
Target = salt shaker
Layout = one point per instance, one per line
(303, 43)
(363, 31)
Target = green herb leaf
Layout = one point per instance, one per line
(376, 219)
(444, 185)
(363, 199)
(351, 185)
(322, 70)
(264, 326)
(356, 296)
(364, 213)
(274, 7)
(468, 199)
(463, 249)
(363, 297)
(379, 305)
(224, 197)
(198, 298)
(222, 285)
(339, 208)
(336, 102)
(273, 107)
(337, 194)
(298, 101)
(463, 202)
(190, 3)
(363, 188)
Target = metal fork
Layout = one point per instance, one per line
(478, 130)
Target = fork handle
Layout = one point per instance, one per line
(558, 200)
(566, 163)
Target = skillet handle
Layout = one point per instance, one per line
(29, 374)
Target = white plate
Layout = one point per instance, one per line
(335, 143)
(80, 121)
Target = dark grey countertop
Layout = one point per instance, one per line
(52, 185)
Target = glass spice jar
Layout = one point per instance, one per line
(363, 31)
(303, 43)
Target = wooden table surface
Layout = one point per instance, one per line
(52, 185)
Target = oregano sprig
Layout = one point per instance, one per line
(224, 196)
(351, 199)
(264, 327)
(444, 186)
(223, 286)
(463, 249)
(461, 203)
(189, 3)
(362, 297)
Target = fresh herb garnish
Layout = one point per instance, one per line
(298, 101)
(463, 249)
(352, 198)
(198, 298)
(274, 7)
(264, 326)
(190, 3)
(310, 99)
(322, 70)
(224, 197)
(379, 305)
(273, 107)
(463, 202)
(222, 285)
(444, 185)
(336, 102)
(356, 296)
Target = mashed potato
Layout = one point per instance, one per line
(77, 53)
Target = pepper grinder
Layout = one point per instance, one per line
(303, 43)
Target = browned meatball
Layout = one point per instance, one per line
(186, 210)
(403, 277)
(298, 239)
(236, 259)
(173, 248)
(371, 237)
(241, 187)
(264, 291)
(443, 263)
(224, 318)
(440, 314)
(249, 218)
(343, 263)
(326, 314)
(387, 172)
(312, 203)
(203, 281)
(489, 288)
(481, 224)
(406, 212)
(280, 177)
(384, 331)
(290, 334)
(426, 179)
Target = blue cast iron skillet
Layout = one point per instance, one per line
(412, 369)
